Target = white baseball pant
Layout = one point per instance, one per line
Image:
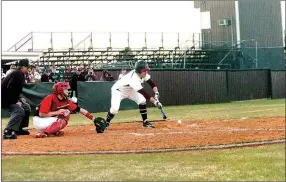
(117, 96)
(43, 123)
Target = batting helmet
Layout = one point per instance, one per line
(60, 86)
(141, 66)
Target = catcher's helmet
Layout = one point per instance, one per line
(141, 66)
(60, 86)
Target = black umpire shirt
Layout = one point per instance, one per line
(75, 79)
(11, 88)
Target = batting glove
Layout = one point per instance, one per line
(156, 95)
(158, 104)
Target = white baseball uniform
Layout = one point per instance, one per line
(120, 76)
(127, 87)
(42, 123)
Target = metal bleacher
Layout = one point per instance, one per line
(180, 56)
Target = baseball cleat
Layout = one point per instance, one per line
(107, 125)
(23, 132)
(59, 133)
(9, 134)
(147, 124)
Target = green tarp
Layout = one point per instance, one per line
(176, 88)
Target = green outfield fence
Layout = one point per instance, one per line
(177, 87)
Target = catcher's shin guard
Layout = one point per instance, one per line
(56, 126)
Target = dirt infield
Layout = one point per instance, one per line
(166, 135)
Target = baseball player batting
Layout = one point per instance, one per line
(130, 86)
(54, 112)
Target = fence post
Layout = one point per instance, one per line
(226, 80)
(269, 84)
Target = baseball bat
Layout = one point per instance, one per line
(163, 113)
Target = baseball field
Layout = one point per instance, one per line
(229, 141)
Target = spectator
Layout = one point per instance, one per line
(106, 76)
(78, 76)
(37, 76)
(34, 76)
(91, 76)
(44, 77)
(12, 68)
(30, 75)
(2, 74)
(27, 76)
(52, 76)
(47, 77)
(11, 89)
(123, 72)
(67, 74)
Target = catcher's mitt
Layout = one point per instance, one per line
(100, 124)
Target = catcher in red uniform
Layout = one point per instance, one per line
(54, 112)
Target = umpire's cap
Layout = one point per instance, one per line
(23, 62)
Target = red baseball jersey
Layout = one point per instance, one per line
(53, 103)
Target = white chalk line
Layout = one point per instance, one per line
(261, 110)
(190, 148)
(241, 107)
(205, 131)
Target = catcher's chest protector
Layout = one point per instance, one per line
(59, 104)
(56, 104)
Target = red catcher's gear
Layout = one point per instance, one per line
(59, 88)
(56, 126)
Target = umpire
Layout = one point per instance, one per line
(11, 89)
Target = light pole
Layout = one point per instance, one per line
(185, 53)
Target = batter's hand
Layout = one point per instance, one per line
(158, 104)
(156, 96)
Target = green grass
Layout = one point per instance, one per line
(249, 109)
(264, 163)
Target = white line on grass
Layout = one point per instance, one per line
(261, 110)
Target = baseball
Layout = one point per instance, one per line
(179, 121)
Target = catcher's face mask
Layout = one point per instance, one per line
(66, 92)
(62, 88)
